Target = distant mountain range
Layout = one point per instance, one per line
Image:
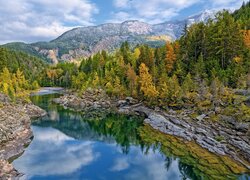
(85, 41)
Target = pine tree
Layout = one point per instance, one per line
(164, 93)
(118, 90)
(96, 80)
(175, 90)
(188, 84)
(132, 78)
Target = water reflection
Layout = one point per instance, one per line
(54, 153)
(70, 145)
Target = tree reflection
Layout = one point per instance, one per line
(127, 131)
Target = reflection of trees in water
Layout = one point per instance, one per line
(127, 131)
(122, 128)
(98, 126)
(187, 171)
(168, 162)
(194, 161)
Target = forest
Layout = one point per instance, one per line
(201, 69)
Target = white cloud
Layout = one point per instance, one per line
(121, 3)
(120, 164)
(33, 20)
(152, 11)
(153, 167)
(52, 153)
(226, 4)
(156, 11)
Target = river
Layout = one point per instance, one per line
(98, 145)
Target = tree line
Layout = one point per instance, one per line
(199, 69)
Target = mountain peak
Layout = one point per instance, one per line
(85, 41)
(203, 16)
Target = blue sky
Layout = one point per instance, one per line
(44, 20)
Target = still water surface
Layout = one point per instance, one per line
(69, 145)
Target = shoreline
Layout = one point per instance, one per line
(199, 130)
(220, 137)
(15, 133)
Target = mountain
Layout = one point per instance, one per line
(85, 41)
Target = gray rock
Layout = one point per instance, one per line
(201, 131)
(15, 134)
(4, 98)
(242, 127)
(201, 117)
(217, 110)
(229, 119)
(122, 103)
(131, 100)
(242, 92)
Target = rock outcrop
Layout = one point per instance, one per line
(218, 137)
(225, 137)
(15, 132)
(91, 99)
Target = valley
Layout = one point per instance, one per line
(130, 100)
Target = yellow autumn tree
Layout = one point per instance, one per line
(170, 57)
(146, 84)
(5, 81)
(52, 75)
(247, 38)
(14, 84)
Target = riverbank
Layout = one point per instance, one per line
(225, 137)
(15, 132)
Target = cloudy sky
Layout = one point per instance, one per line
(43, 20)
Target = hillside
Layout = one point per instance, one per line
(13, 60)
(86, 41)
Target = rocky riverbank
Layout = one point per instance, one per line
(91, 99)
(15, 132)
(220, 137)
(224, 137)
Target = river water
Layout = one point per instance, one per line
(97, 145)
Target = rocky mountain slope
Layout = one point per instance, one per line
(85, 41)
